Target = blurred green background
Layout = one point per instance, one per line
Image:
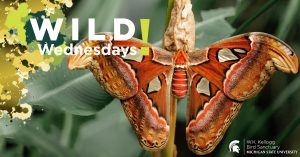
(73, 117)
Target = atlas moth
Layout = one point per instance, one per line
(217, 79)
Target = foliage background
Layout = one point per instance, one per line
(74, 117)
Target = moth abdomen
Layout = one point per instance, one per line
(179, 82)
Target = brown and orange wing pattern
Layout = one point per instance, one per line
(232, 71)
(140, 82)
(210, 113)
(122, 76)
(149, 111)
(242, 65)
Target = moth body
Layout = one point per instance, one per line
(179, 82)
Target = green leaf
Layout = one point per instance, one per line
(169, 10)
(181, 109)
(286, 132)
(241, 6)
(32, 135)
(263, 119)
(259, 12)
(8, 127)
(76, 92)
(104, 13)
(288, 19)
(144, 153)
(109, 135)
(214, 27)
(12, 152)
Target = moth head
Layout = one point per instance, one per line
(181, 57)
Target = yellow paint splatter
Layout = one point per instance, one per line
(23, 115)
(17, 60)
(50, 7)
(29, 61)
(10, 85)
(35, 5)
(15, 20)
(18, 66)
(2, 35)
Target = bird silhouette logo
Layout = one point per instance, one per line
(233, 146)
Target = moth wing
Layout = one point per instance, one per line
(140, 82)
(223, 76)
(148, 112)
(210, 112)
(121, 75)
(243, 64)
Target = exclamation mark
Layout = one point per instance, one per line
(145, 31)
